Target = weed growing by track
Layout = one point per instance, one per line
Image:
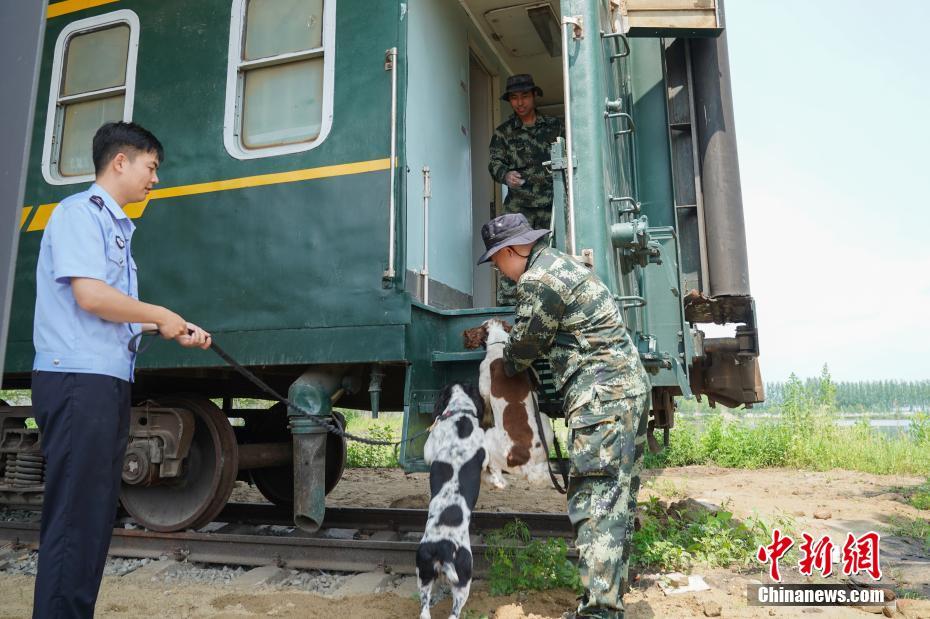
(915, 496)
(519, 563)
(918, 528)
(921, 497)
(677, 538)
(670, 538)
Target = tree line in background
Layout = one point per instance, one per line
(874, 396)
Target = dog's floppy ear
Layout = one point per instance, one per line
(442, 400)
(507, 326)
(475, 337)
(472, 392)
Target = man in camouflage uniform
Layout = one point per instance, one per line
(518, 149)
(564, 312)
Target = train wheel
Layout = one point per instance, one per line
(277, 483)
(194, 498)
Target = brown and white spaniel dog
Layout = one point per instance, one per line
(511, 435)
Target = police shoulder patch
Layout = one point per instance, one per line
(98, 201)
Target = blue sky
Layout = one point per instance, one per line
(832, 104)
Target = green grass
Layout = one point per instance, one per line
(16, 397)
(667, 540)
(519, 563)
(19, 397)
(670, 540)
(803, 436)
(920, 500)
(918, 528)
(388, 427)
(811, 442)
(916, 496)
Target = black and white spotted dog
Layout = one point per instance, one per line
(456, 455)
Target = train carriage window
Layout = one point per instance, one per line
(279, 90)
(93, 76)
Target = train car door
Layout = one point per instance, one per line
(481, 120)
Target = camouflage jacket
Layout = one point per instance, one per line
(566, 313)
(524, 148)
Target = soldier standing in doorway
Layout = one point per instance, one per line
(518, 149)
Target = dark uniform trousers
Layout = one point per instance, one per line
(84, 419)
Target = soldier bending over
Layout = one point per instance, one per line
(564, 312)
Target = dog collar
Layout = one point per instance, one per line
(441, 417)
(447, 414)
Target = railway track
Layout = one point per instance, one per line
(351, 539)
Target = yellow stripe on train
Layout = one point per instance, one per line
(24, 216)
(70, 6)
(136, 209)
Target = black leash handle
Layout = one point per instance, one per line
(328, 423)
(563, 487)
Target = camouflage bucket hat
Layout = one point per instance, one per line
(507, 230)
(520, 83)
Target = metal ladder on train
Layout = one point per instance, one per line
(686, 172)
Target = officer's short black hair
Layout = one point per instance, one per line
(130, 138)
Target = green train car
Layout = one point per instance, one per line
(320, 206)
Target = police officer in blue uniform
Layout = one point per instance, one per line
(87, 309)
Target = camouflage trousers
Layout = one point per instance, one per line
(539, 219)
(607, 443)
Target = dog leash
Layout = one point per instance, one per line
(563, 488)
(329, 423)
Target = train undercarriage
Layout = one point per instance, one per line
(183, 458)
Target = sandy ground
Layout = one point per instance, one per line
(855, 502)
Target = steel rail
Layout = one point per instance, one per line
(394, 519)
(295, 548)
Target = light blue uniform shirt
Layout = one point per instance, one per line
(90, 236)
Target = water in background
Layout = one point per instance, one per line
(888, 427)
